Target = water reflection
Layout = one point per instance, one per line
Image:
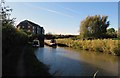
(69, 62)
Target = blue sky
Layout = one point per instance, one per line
(63, 17)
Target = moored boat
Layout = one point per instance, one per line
(36, 43)
(51, 43)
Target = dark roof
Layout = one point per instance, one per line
(26, 23)
(32, 23)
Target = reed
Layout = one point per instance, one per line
(107, 46)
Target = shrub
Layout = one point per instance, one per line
(12, 37)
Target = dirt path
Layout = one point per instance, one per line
(21, 65)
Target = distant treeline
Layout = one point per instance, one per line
(50, 36)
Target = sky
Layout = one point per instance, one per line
(62, 0)
(63, 17)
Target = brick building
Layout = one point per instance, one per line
(31, 27)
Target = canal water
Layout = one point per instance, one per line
(70, 62)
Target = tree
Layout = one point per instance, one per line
(11, 37)
(5, 14)
(111, 33)
(111, 30)
(94, 26)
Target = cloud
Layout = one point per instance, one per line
(69, 9)
(49, 10)
(72, 10)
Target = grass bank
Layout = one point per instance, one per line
(107, 46)
(10, 60)
(33, 67)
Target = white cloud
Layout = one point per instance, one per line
(49, 10)
(69, 9)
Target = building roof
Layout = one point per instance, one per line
(28, 23)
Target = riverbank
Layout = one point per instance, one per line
(34, 67)
(107, 46)
(21, 61)
(10, 60)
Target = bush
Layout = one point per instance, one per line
(12, 37)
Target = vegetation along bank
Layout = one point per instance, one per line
(107, 46)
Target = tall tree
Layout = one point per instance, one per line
(94, 26)
(10, 35)
(5, 14)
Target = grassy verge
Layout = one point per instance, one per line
(107, 46)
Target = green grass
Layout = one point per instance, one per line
(108, 46)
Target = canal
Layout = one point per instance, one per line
(70, 62)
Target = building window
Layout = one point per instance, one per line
(22, 26)
(38, 30)
(33, 27)
(28, 26)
